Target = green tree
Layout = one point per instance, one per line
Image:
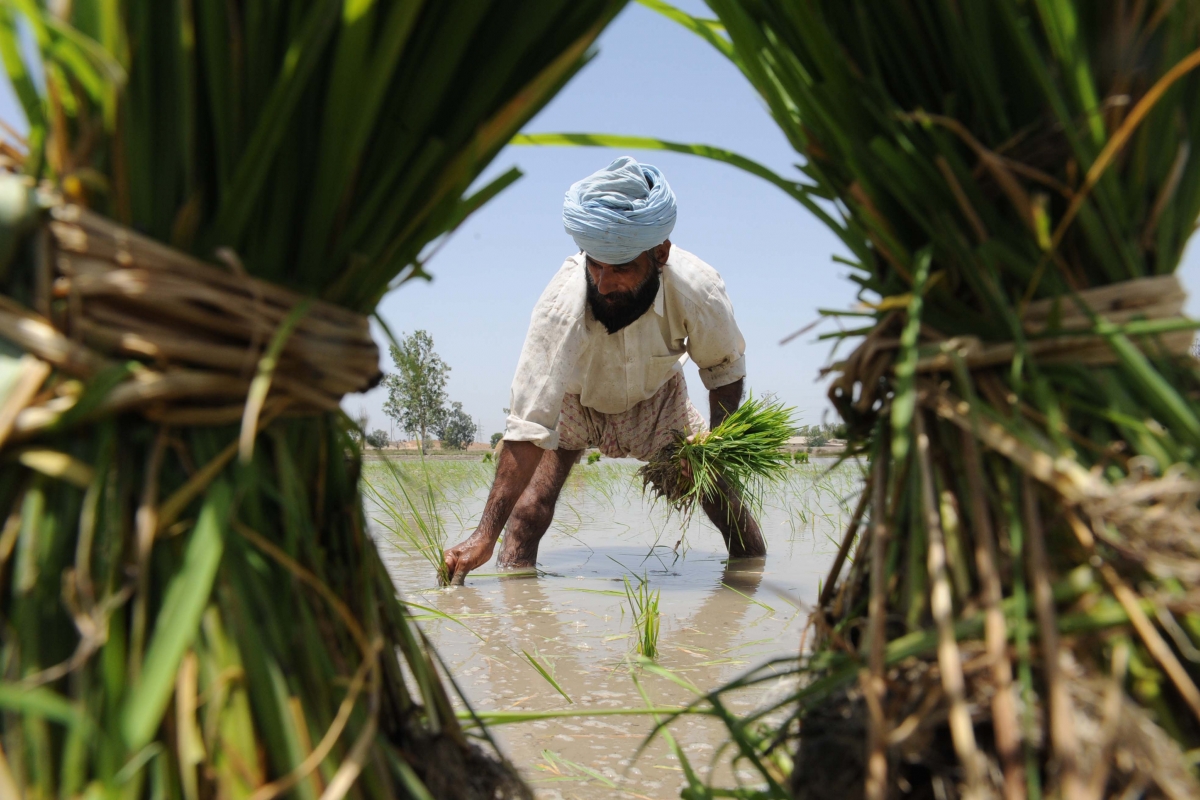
(457, 430)
(496, 437)
(378, 438)
(417, 391)
(360, 432)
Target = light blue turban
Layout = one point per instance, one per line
(620, 212)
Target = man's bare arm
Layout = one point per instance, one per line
(723, 401)
(518, 461)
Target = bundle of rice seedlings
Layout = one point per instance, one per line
(1016, 181)
(214, 195)
(745, 453)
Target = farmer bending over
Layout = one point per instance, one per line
(601, 364)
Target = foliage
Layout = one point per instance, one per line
(496, 437)
(1015, 181)
(228, 629)
(217, 162)
(745, 451)
(409, 502)
(826, 430)
(417, 390)
(360, 427)
(457, 430)
(594, 458)
(378, 438)
(643, 606)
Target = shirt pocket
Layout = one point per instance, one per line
(659, 370)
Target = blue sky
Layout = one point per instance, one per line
(650, 78)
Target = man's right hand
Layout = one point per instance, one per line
(516, 466)
(469, 554)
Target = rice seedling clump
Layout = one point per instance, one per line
(745, 452)
(643, 604)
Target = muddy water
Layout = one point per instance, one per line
(717, 620)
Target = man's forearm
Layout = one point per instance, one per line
(518, 460)
(723, 401)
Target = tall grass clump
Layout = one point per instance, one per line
(745, 452)
(643, 607)
(210, 199)
(1015, 182)
(409, 511)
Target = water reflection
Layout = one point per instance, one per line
(718, 619)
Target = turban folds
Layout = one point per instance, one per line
(620, 212)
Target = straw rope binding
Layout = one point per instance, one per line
(192, 336)
(1058, 330)
(1156, 515)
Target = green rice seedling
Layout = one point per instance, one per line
(556, 765)
(434, 613)
(594, 458)
(745, 452)
(758, 603)
(410, 513)
(608, 592)
(547, 672)
(490, 718)
(643, 606)
(800, 457)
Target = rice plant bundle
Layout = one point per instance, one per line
(745, 452)
(1015, 181)
(212, 196)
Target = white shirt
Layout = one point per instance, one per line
(567, 351)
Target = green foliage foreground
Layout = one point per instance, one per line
(1016, 181)
(177, 621)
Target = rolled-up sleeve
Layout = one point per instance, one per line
(714, 341)
(552, 347)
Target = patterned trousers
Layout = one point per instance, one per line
(639, 432)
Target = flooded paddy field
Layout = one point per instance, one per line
(562, 642)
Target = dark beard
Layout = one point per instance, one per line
(619, 309)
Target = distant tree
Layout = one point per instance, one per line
(360, 430)
(457, 429)
(378, 438)
(496, 437)
(417, 392)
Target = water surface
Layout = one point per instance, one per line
(718, 618)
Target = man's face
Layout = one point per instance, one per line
(619, 294)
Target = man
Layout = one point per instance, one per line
(601, 364)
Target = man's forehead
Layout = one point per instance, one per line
(632, 263)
